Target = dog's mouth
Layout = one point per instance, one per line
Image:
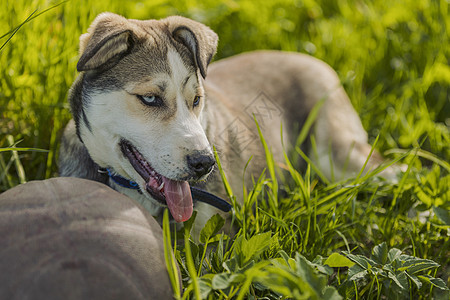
(175, 194)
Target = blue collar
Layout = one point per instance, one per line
(197, 194)
(123, 182)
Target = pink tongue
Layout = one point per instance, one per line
(178, 198)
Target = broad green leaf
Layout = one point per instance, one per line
(231, 265)
(256, 269)
(285, 282)
(356, 272)
(380, 253)
(362, 261)
(400, 280)
(415, 280)
(212, 226)
(195, 252)
(416, 265)
(205, 287)
(189, 223)
(378, 272)
(336, 260)
(393, 254)
(248, 266)
(423, 196)
(255, 245)
(302, 268)
(330, 293)
(321, 267)
(308, 273)
(217, 255)
(358, 276)
(284, 260)
(437, 282)
(389, 268)
(237, 246)
(278, 261)
(279, 281)
(224, 280)
(217, 237)
(442, 214)
(284, 255)
(208, 277)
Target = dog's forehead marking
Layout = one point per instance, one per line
(180, 74)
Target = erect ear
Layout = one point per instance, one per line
(108, 39)
(198, 38)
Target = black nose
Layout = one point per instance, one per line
(201, 163)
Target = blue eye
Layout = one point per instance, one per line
(151, 100)
(196, 100)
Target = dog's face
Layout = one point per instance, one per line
(140, 109)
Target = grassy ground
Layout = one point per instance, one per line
(320, 239)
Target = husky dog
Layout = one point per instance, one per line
(145, 115)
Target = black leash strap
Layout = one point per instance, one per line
(210, 199)
(197, 194)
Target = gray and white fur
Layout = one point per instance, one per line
(145, 82)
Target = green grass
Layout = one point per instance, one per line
(393, 60)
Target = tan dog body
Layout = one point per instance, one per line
(141, 102)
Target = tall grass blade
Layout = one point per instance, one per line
(421, 153)
(313, 166)
(31, 17)
(309, 122)
(191, 266)
(22, 149)
(222, 175)
(367, 159)
(15, 156)
(15, 30)
(171, 264)
(273, 197)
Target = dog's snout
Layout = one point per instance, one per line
(200, 163)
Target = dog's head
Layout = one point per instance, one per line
(138, 103)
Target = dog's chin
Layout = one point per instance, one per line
(174, 193)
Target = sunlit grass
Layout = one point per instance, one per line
(394, 64)
(297, 248)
